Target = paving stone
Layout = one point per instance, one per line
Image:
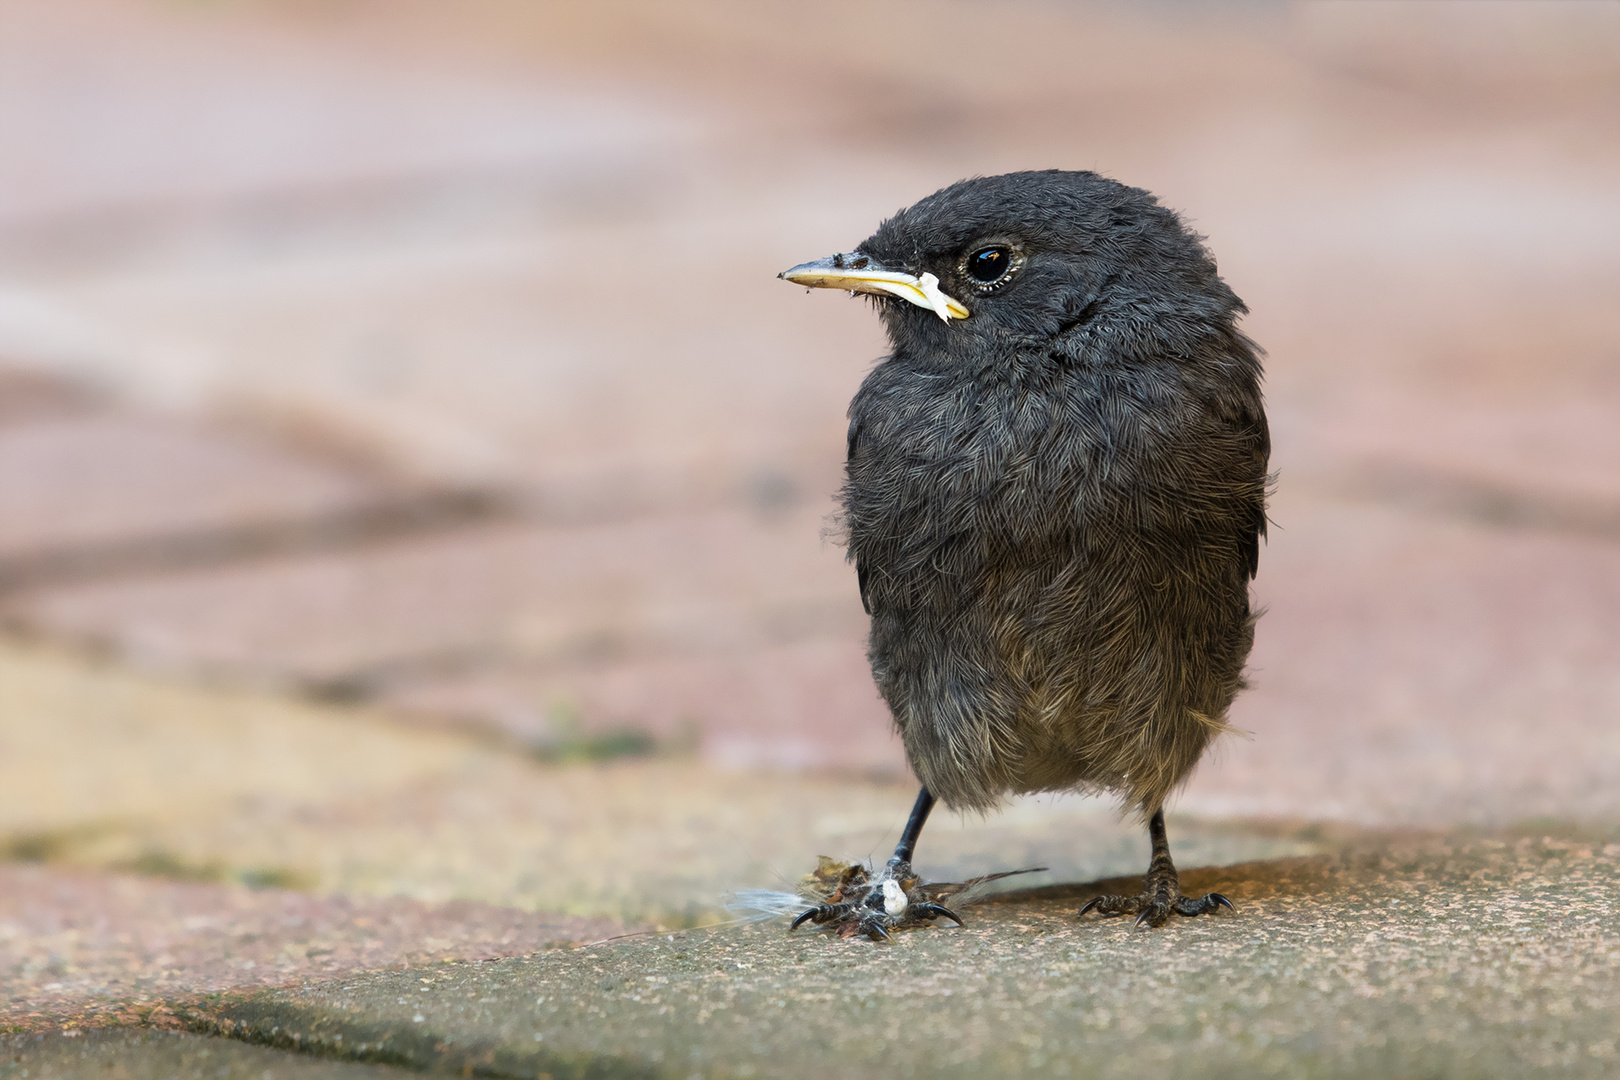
(479, 338)
(28, 395)
(426, 251)
(807, 704)
(104, 769)
(1419, 668)
(165, 1055)
(111, 477)
(91, 491)
(1502, 389)
(1477, 958)
(692, 581)
(653, 843)
(1400, 657)
(84, 743)
(81, 948)
(1443, 341)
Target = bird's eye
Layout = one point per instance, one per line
(989, 266)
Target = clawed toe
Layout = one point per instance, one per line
(1203, 905)
(1114, 905)
(819, 914)
(935, 911)
(1155, 912)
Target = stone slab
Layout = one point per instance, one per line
(103, 769)
(1432, 276)
(92, 491)
(693, 582)
(1476, 958)
(165, 1055)
(83, 744)
(89, 949)
(790, 705)
(30, 395)
(1418, 668)
(445, 314)
(1413, 666)
(109, 477)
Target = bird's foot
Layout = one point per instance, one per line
(1154, 905)
(858, 903)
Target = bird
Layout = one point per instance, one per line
(1054, 497)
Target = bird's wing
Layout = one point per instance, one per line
(852, 440)
(1255, 526)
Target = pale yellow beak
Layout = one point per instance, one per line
(861, 273)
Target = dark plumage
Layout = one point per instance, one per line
(1054, 504)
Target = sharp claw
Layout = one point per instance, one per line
(877, 933)
(1095, 901)
(1154, 915)
(934, 911)
(1219, 899)
(818, 914)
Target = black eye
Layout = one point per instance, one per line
(988, 265)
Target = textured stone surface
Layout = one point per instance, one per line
(531, 248)
(536, 248)
(164, 1055)
(83, 744)
(97, 949)
(1470, 959)
(1410, 668)
(106, 770)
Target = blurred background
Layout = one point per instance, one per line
(413, 478)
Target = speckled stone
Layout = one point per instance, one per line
(164, 1055)
(1480, 957)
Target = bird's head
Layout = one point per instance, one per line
(1031, 260)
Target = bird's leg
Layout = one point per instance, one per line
(1161, 891)
(899, 865)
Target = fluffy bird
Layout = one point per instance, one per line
(1055, 494)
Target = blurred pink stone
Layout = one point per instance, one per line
(76, 943)
(533, 253)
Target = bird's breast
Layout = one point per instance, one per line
(953, 481)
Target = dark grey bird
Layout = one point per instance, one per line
(1055, 495)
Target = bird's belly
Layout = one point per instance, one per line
(1068, 669)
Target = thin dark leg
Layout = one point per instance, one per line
(1163, 883)
(1161, 891)
(914, 826)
